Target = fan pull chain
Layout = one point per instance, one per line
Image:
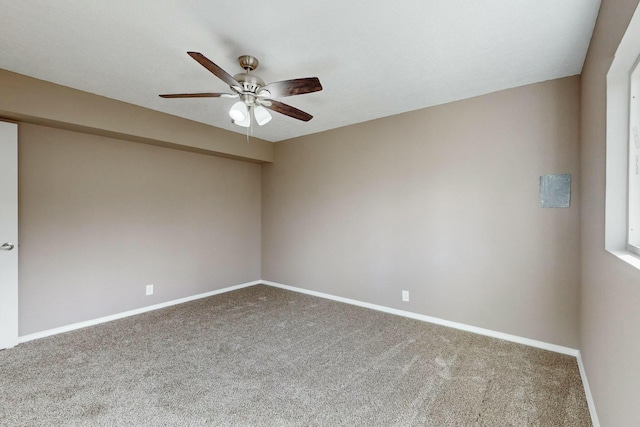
(250, 127)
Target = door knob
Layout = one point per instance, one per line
(7, 246)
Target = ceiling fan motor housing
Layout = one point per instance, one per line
(250, 83)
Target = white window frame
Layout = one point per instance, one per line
(619, 156)
(633, 209)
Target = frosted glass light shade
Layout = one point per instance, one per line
(262, 115)
(244, 123)
(239, 112)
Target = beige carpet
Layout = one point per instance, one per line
(262, 356)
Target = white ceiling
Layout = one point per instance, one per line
(374, 59)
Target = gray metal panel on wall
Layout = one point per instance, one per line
(555, 191)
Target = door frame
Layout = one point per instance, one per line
(8, 234)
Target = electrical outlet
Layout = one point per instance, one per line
(149, 289)
(405, 296)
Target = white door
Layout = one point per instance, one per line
(8, 234)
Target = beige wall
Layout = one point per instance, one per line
(610, 293)
(100, 218)
(442, 202)
(30, 100)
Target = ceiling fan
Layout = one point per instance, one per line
(255, 96)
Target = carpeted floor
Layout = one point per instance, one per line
(263, 356)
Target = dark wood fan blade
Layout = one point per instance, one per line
(198, 95)
(293, 87)
(217, 71)
(287, 110)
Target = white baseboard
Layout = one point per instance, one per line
(587, 392)
(80, 325)
(480, 331)
(422, 317)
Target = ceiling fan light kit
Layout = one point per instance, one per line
(255, 96)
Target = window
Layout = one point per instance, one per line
(622, 210)
(633, 214)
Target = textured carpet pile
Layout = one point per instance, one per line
(262, 356)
